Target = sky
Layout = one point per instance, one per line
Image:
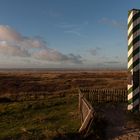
(64, 33)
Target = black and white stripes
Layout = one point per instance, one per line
(133, 58)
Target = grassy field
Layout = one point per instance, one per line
(55, 116)
(44, 119)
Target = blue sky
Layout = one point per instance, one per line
(64, 33)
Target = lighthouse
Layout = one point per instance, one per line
(134, 60)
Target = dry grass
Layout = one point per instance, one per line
(15, 82)
(57, 114)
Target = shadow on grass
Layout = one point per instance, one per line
(97, 131)
(69, 136)
(5, 100)
(98, 128)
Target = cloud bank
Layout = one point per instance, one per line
(14, 44)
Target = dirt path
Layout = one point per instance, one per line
(119, 126)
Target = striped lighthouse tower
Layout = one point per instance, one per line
(134, 60)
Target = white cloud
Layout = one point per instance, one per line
(73, 32)
(114, 23)
(13, 44)
(67, 26)
(9, 34)
(49, 54)
(55, 56)
(12, 50)
(73, 29)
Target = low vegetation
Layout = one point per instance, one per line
(44, 119)
(44, 105)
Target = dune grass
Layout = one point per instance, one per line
(53, 117)
(44, 119)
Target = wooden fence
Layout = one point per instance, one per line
(104, 95)
(87, 98)
(86, 113)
